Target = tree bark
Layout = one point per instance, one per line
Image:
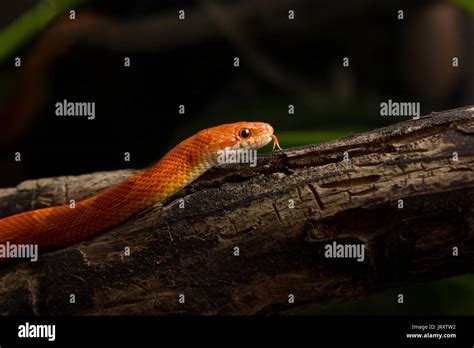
(405, 192)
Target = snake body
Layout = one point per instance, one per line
(61, 226)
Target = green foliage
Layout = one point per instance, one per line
(299, 138)
(468, 5)
(31, 23)
(452, 296)
(291, 139)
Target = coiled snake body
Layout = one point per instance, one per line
(61, 226)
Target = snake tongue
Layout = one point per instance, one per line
(275, 143)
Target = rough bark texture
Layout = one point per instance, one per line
(280, 215)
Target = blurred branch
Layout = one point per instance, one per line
(262, 64)
(146, 34)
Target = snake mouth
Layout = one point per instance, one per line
(264, 140)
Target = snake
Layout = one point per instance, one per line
(61, 226)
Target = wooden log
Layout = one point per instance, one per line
(405, 192)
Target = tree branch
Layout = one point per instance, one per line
(281, 215)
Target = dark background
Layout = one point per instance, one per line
(190, 62)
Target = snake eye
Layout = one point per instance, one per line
(244, 133)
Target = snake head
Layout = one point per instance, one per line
(242, 135)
